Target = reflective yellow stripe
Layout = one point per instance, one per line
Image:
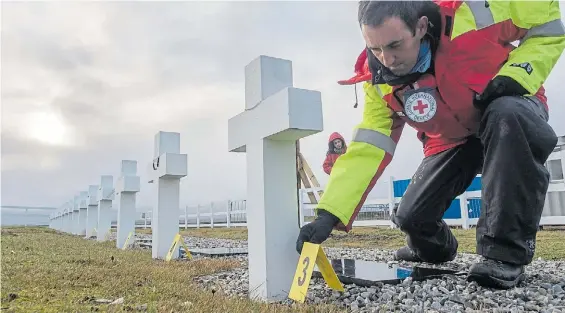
(463, 21)
(475, 15)
(553, 28)
(375, 138)
(481, 13)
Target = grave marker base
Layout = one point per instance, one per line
(369, 273)
(219, 252)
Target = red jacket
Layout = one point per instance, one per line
(444, 119)
(471, 44)
(332, 154)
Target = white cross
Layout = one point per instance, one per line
(127, 186)
(276, 115)
(166, 170)
(105, 196)
(75, 215)
(91, 211)
(81, 230)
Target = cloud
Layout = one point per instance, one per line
(109, 75)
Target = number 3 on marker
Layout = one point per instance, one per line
(302, 279)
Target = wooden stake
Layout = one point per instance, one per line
(305, 174)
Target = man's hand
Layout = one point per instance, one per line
(317, 231)
(498, 87)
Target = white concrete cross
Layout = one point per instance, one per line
(127, 186)
(276, 115)
(165, 172)
(92, 210)
(75, 217)
(105, 196)
(83, 197)
(63, 218)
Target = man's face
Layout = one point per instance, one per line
(337, 144)
(394, 45)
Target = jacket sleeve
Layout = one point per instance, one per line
(542, 41)
(356, 171)
(328, 164)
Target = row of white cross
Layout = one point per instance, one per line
(89, 212)
(276, 115)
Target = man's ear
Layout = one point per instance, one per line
(421, 27)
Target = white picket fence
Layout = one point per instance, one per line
(382, 218)
(228, 213)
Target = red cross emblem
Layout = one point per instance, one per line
(420, 107)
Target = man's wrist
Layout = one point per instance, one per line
(326, 216)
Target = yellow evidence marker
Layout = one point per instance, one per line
(126, 244)
(178, 240)
(312, 254)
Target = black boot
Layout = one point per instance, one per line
(406, 254)
(496, 274)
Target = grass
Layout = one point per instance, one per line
(550, 243)
(46, 271)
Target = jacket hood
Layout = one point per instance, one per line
(334, 136)
(361, 70)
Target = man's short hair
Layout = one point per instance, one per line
(374, 13)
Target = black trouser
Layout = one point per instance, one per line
(513, 143)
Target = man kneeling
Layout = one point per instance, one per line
(448, 70)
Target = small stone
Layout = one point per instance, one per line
(436, 305)
(532, 307)
(387, 296)
(456, 298)
(556, 289)
(117, 301)
(443, 300)
(402, 296)
(407, 281)
(546, 286)
(142, 307)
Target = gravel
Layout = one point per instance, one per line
(199, 242)
(543, 291)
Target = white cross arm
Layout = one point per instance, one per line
(168, 165)
(83, 199)
(128, 184)
(105, 188)
(92, 194)
(76, 203)
(289, 114)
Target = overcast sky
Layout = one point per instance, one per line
(87, 84)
